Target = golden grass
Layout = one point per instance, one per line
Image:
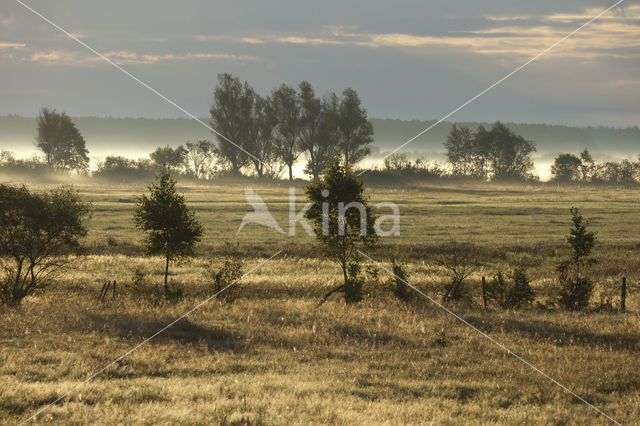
(274, 356)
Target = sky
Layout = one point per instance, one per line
(407, 59)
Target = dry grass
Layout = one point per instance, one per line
(273, 356)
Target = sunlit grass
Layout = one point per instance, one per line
(275, 356)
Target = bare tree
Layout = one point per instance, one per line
(460, 260)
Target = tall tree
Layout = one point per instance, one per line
(286, 116)
(481, 153)
(61, 141)
(232, 115)
(510, 153)
(318, 129)
(171, 227)
(356, 131)
(260, 139)
(459, 145)
(588, 165)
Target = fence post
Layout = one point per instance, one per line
(623, 296)
(484, 294)
(104, 291)
(114, 289)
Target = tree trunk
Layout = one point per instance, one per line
(166, 274)
(291, 171)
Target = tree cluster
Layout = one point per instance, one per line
(570, 168)
(495, 154)
(264, 135)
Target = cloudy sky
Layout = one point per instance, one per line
(408, 59)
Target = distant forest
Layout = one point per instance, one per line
(139, 136)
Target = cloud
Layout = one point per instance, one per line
(313, 41)
(7, 45)
(613, 35)
(125, 57)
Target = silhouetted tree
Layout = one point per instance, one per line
(460, 149)
(199, 158)
(343, 223)
(498, 153)
(173, 158)
(232, 114)
(60, 141)
(260, 140)
(171, 227)
(355, 130)
(587, 165)
(286, 116)
(566, 168)
(36, 231)
(318, 129)
(510, 153)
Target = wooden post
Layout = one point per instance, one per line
(104, 291)
(114, 289)
(623, 296)
(484, 294)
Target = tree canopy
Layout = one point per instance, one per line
(171, 227)
(343, 222)
(60, 141)
(36, 229)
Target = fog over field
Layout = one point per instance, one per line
(137, 137)
(320, 212)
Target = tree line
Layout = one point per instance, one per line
(257, 135)
(582, 168)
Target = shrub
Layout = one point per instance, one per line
(575, 295)
(36, 231)
(400, 288)
(576, 289)
(510, 296)
(228, 274)
(521, 292)
(459, 260)
(497, 289)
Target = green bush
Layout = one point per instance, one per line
(575, 295)
(511, 296)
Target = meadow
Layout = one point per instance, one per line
(273, 356)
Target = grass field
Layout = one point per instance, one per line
(273, 356)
